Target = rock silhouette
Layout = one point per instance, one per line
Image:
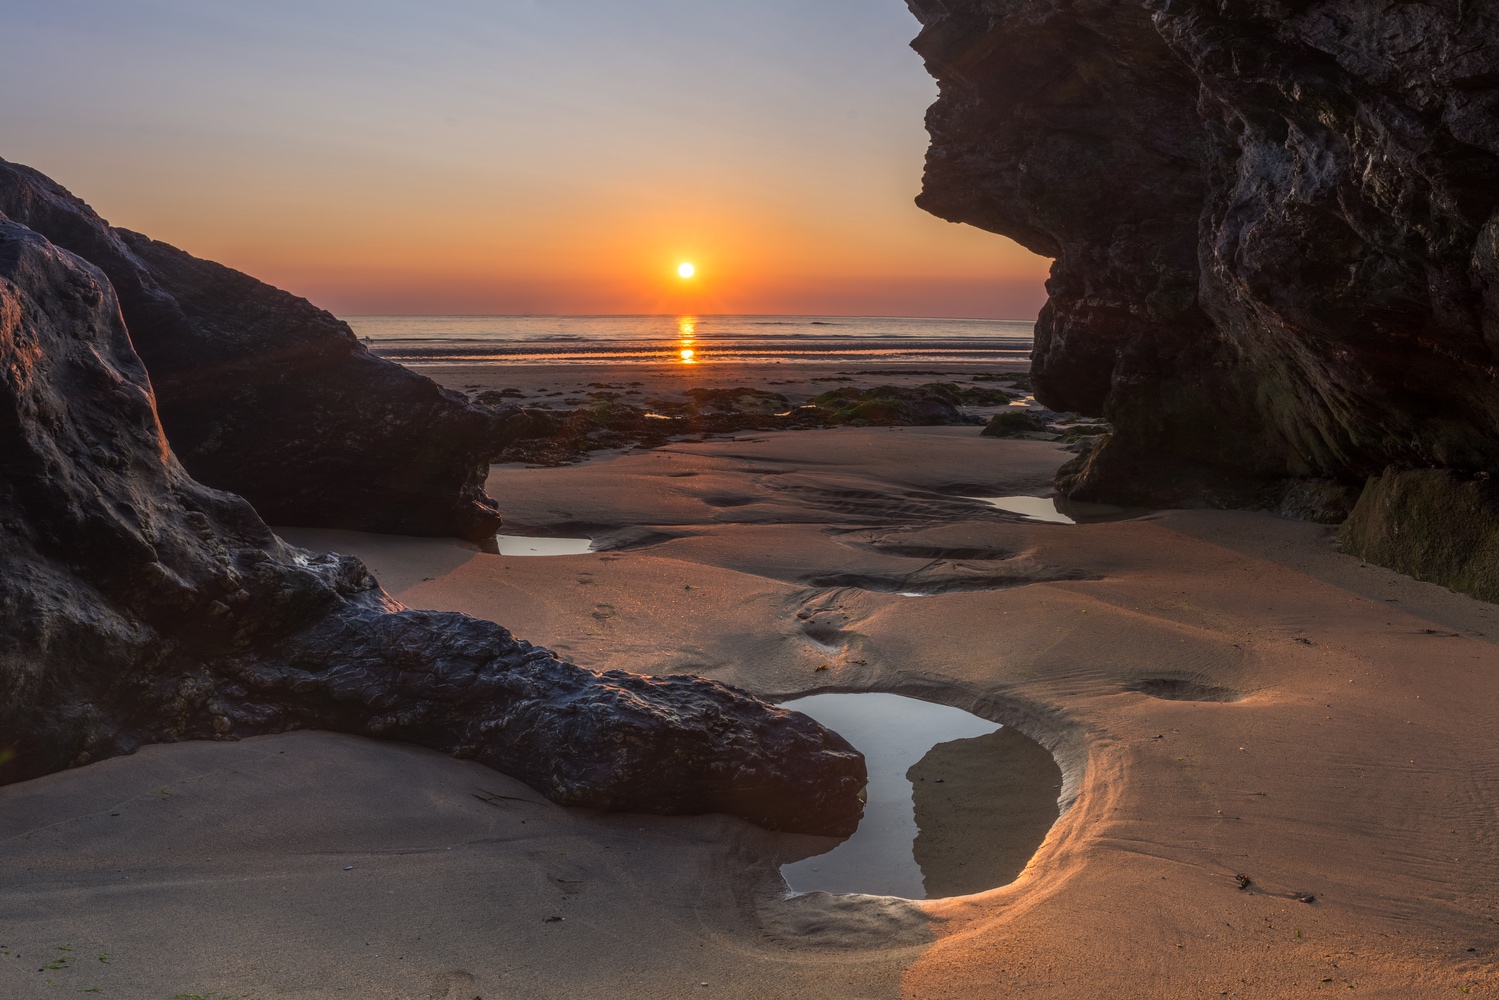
(138, 605)
(265, 395)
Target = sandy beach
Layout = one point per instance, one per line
(1278, 763)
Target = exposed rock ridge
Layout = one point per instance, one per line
(265, 395)
(137, 605)
(1273, 223)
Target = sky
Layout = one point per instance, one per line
(512, 156)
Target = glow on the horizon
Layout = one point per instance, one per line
(685, 270)
(549, 144)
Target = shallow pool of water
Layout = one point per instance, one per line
(957, 804)
(523, 545)
(1062, 511)
(1035, 508)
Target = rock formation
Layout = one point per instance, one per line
(1432, 524)
(138, 605)
(1273, 224)
(265, 395)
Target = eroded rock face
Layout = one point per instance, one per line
(1273, 221)
(137, 605)
(265, 395)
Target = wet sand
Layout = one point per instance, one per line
(1244, 719)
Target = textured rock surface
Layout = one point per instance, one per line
(265, 395)
(1432, 524)
(1273, 224)
(137, 605)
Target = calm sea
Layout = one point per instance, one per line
(418, 340)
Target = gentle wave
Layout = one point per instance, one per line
(418, 340)
(646, 328)
(705, 352)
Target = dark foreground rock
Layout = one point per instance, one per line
(265, 395)
(1432, 524)
(1273, 224)
(137, 605)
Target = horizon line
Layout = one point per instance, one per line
(540, 315)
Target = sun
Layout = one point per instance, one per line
(685, 270)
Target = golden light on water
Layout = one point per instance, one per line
(685, 270)
(688, 356)
(687, 334)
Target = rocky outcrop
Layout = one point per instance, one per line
(1432, 524)
(137, 605)
(1273, 223)
(265, 395)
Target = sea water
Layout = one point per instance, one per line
(426, 340)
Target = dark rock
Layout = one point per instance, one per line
(609, 422)
(740, 400)
(1325, 501)
(1273, 224)
(1432, 524)
(1082, 432)
(500, 397)
(137, 605)
(267, 396)
(889, 405)
(1013, 423)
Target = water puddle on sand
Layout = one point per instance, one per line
(1035, 508)
(523, 545)
(1050, 510)
(957, 804)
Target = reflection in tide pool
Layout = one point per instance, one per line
(521, 545)
(956, 803)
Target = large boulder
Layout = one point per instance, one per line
(137, 605)
(266, 395)
(1432, 524)
(1273, 224)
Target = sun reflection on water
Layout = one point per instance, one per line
(687, 334)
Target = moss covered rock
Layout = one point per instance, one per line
(1013, 423)
(1432, 524)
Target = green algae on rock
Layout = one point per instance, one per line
(1433, 524)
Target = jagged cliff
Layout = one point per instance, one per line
(137, 605)
(265, 395)
(1273, 224)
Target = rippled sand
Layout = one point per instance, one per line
(1279, 765)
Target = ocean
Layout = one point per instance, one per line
(424, 340)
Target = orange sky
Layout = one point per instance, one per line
(513, 157)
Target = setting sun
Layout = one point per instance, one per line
(685, 270)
